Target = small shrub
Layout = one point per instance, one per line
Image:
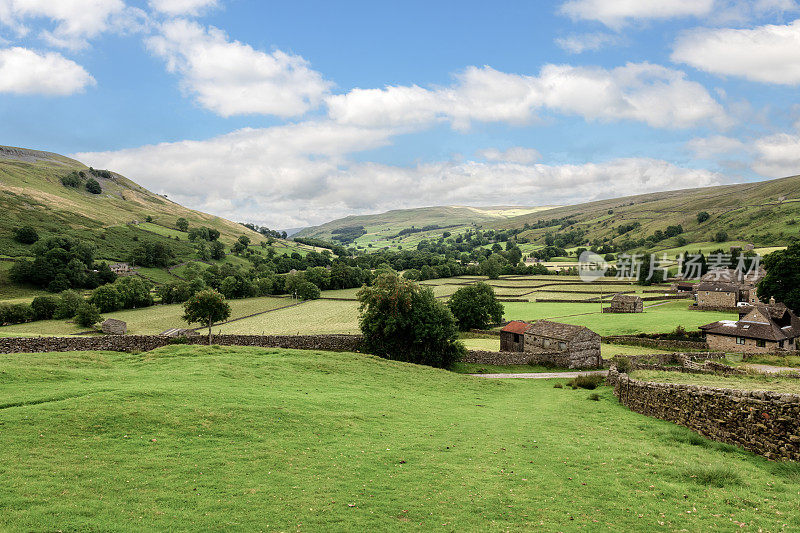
(586, 381)
(93, 186)
(558, 385)
(44, 307)
(87, 315)
(594, 397)
(622, 363)
(26, 235)
(72, 180)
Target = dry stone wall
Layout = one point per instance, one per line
(130, 343)
(664, 344)
(556, 359)
(766, 423)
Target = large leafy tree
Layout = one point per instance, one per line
(782, 280)
(206, 307)
(475, 306)
(402, 321)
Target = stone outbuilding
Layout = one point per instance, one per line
(625, 303)
(512, 336)
(715, 295)
(121, 269)
(112, 326)
(762, 329)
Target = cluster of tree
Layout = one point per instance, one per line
(61, 263)
(212, 250)
(414, 229)
(563, 222)
(348, 234)
(563, 240)
(265, 231)
(548, 252)
(203, 233)
(782, 280)
(75, 179)
(69, 304)
(151, 254)
(125, 293)
(402, 321)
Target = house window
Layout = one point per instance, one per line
(516, 337)
(739, 340)
(760, 343)
(780, 344)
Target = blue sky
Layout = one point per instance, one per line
(293, 113)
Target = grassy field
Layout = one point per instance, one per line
(314, 317)
(745, 382)
(208, 438)
(145, 321)
(792, 361)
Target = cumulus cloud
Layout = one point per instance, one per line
(710, 147)
(297, 175)
(655, 95)
(777, 155)
(231, 78)
(516, 154)
(75, 21)
(766, 54)
(24, 71)
(579, 43)
(183, 7)
(617, 13)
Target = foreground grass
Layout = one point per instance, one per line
(792, 361)
(745, 382)
(199, 438)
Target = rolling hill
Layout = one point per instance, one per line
(384, 229)
(32, 193)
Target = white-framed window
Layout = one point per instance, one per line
(739, 340)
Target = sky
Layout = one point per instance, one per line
(290, 114)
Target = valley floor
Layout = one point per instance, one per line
(201, 438)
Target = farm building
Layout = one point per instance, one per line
(565, 344)
(120, 269)
(512, 336)
(625, 303)
(763, 329)
(712, 294)
(112, 326)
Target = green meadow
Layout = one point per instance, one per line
(208, 438)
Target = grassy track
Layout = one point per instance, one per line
(196, 438)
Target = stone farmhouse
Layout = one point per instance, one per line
(760, 329)
(121, 269)
(568, 345)
(625, 303)
(726, 288)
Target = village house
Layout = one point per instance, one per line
(717, 294)
(573, 346)
(760, 329)
(625, 303)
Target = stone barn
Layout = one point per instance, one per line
(512, 336)
(578, 345)
(112, 326)
(718, 295)
(625, 303)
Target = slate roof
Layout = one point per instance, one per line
(782, 325)
(516, 326)
(717, 287)
(625, 298)
(556, 330)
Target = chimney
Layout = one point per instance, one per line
(771, 300)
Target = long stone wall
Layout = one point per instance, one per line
(130, 343)
(556, 359)
(665, 344)
(766, 423)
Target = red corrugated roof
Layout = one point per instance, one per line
(516, 326)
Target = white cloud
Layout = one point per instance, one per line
(652, 94)
(183, 7)
(289, 176)
(766, 53)
(516, 154)
(710, 147)
(231, 78)
(24, 71)
(777, 155)
(75, 21)
(616, 13)
(579, 43)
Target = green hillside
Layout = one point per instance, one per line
(32, 193)
(764, 213)
(384, 229)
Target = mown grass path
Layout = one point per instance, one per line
(189, 438)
